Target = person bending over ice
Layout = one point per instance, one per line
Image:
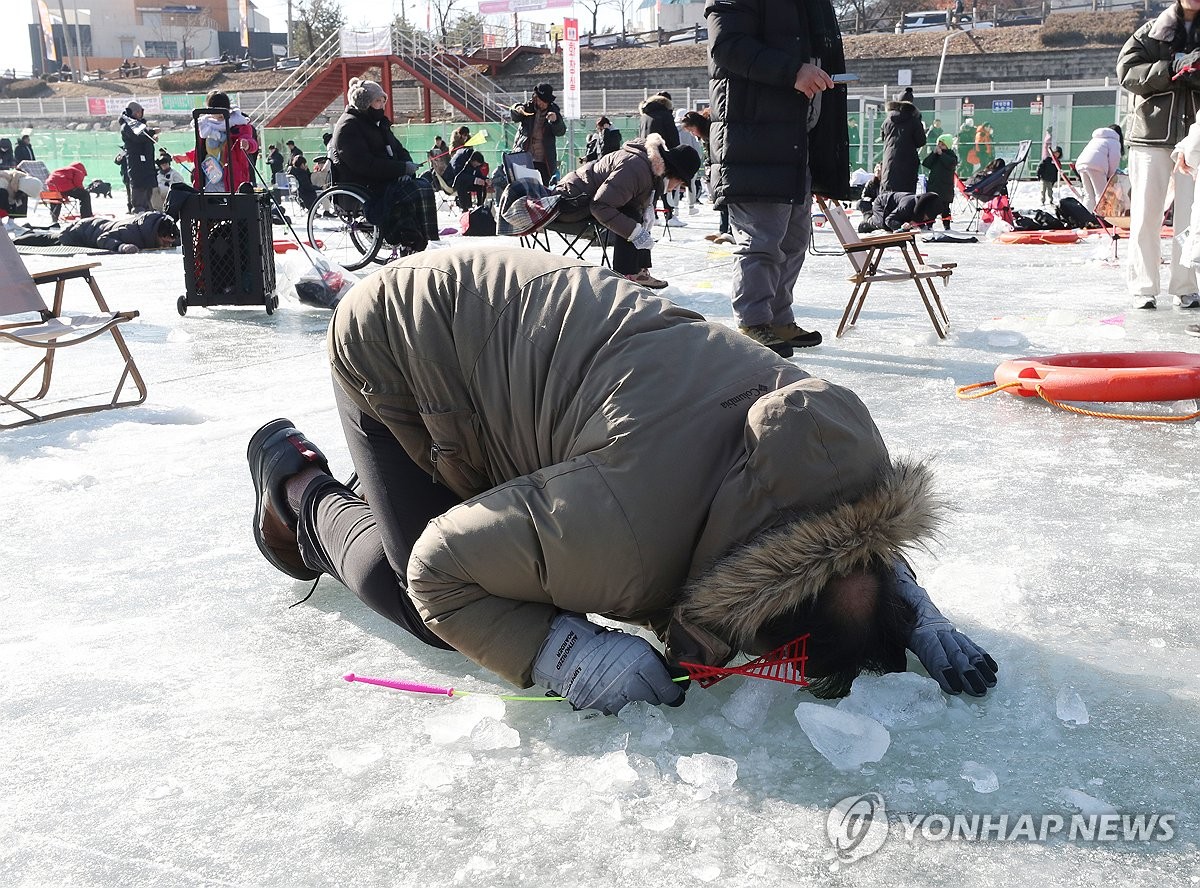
(534, 444)
(897, 211)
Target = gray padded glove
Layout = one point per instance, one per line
(951, 658)
(411, 168)
(597, 668)
(641, 238)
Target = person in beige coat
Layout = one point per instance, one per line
(534, 444)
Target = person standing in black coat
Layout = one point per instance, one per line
(139, 143)
(274, 161)
(541, 125)
(24, 150)
(658, 116)
(903, 138)
(604, 139)
(779, 133)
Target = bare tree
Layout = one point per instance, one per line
(314, 21)
(593, 8)
(444, 11)
(186, 29)
(626, 8)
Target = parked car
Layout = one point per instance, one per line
(287, 64)
(936, 20)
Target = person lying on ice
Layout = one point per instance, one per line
(145, 231)
(538, 439)
(899, 211)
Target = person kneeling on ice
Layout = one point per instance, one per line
(534, 444)
(147, 231)
(897, 211)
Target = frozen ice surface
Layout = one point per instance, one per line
(456, 718)
(899, 700)
(1070, 707)
(707, 772)
(982, 778)
(847, 740)
(166, 720)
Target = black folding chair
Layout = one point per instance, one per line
(574, 238)
(990, 186)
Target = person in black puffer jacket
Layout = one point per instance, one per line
(903, 138)
(658, 116)
(898, 211)
(363, 151)
(147, 231)
(779, 134)
(138, 140)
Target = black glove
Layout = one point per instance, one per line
(1185, 61)
(951, 658)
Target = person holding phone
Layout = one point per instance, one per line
(541, 126)
(779, 133)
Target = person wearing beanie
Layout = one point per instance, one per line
(140, 151)
(542, 125)
(619, 191)
(779, 135)
(537, 439)
(365, 152)
(942, 163)
(145, 231)
(69, 182)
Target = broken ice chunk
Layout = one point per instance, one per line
(456, 719)
(492, 734)
(706, 771)
(897, 700)
(1070, 707)
(748, 706)
(846, 739)
(982, 778)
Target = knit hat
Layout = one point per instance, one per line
(544, 91)
(362, 93)
(133, 108)
(682, 162)
(946, 139)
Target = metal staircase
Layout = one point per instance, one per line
(474, 94)
(321, 77)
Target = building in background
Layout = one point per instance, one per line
(147, 31)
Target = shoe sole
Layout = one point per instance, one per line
(254, 451)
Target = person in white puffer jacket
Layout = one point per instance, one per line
(1098, 162)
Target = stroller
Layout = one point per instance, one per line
(988, 196)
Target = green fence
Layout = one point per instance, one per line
(96, 150)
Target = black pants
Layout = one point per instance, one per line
(85, 203)
(626, 258)
(37, 240)
(365, 541)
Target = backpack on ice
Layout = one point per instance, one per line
(478, 222)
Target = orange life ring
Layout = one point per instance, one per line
(1105, 376)
(1039, 237)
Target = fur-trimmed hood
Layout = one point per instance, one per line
(656, 105)
(905, 109)
(816, 497)
(1164, 26)
(655, 146)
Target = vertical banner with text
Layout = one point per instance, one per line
(571, 107)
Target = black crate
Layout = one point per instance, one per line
(228, 250)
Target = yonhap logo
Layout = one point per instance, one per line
(857, 826)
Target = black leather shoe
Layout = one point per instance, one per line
(276, 452)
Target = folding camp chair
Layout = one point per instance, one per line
(990, 187)
(574, 237)
(867, 254)
(26, 320)
(68, 207)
